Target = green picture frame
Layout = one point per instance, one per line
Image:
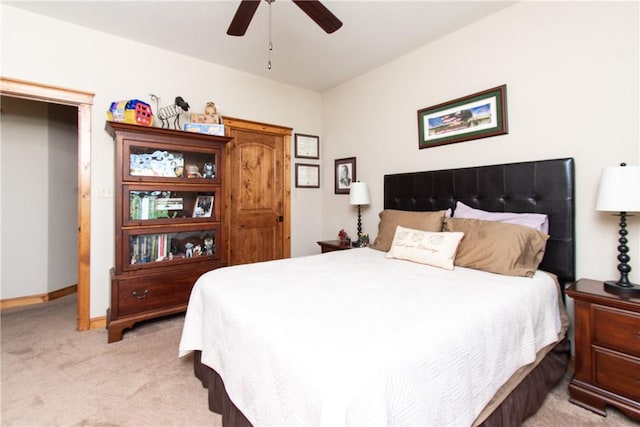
(475, 116)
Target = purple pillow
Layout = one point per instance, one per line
(536, 221)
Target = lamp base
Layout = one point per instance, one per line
(631, 291)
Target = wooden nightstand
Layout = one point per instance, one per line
(333, 245)
(607, 346)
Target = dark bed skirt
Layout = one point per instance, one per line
(521, 403)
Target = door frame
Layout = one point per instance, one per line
(83, 101)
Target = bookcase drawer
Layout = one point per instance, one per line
(153, 292)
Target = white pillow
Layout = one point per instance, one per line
(536, 221)
(437, 249)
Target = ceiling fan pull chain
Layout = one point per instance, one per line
(270, 35)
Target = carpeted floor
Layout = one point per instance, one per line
(53, 375)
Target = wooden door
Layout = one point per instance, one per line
(259, 190)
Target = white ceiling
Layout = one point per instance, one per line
(373, 32)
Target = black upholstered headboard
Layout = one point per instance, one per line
(545, 186)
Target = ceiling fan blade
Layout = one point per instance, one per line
(243, 17)
(320, 14)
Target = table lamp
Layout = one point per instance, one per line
(620, 192)
(359, 195)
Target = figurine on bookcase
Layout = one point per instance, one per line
(173, 111)
(209, 171)
(208, 245)
(211, 111)
(193, 171)
(189, 249)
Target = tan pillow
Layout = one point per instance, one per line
(426, 247)
(509, 249)
(391, 218)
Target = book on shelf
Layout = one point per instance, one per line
(144, 205)
(147, 206)
(134, 206)
(150, 248)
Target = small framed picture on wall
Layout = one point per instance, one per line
(307, 176)
(307, 146)
(345, 174)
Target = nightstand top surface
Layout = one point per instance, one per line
(595, 289)
(336, 244)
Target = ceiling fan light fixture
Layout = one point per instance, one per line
(313, 8)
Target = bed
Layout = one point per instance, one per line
(338, 339)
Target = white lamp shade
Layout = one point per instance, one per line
(619, 189)
(359, 194)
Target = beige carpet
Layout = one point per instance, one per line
(53, 375)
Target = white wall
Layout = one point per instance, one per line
(39, 197)
(38, 49)
(572, 91)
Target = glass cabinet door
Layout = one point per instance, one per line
(144, 204)
(144, 161)
(149, 250)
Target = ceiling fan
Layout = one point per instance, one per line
(313, 8)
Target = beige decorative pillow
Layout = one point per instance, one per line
(391, 218)
(426, 247)
(509, 249)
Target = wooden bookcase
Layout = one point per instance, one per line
(170, 221)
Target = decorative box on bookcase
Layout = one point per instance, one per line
(170, 223)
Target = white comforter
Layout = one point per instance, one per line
(352, 338)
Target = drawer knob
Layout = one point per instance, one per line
(140, 296)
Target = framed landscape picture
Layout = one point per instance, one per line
(479, 115)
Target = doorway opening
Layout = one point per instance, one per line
(83, 101)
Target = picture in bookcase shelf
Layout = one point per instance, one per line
(203, 207)
(157, 163)
(169, 246)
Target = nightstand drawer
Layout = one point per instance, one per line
(616, 329)
(618, 373)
